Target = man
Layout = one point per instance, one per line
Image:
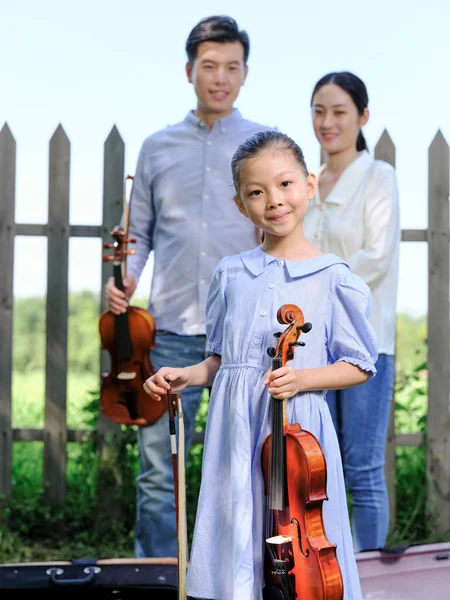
(183, 210)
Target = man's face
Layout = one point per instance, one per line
(217, 74)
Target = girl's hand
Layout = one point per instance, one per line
(157, 385)
(283, 383)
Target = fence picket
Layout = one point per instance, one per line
(109, 484)
(385, 150)
(7, 233)
(438, 421)
(55, 428)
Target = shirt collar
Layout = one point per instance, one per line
(257, 260)
(349, 180)
(222, 124)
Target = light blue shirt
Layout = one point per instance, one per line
(182, 208)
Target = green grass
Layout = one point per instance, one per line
(29, 399)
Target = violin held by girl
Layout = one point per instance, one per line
(272, 189)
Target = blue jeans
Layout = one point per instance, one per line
(155, 510)
(361, 417)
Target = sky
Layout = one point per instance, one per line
(92, 65)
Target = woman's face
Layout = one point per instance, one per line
(336, 119)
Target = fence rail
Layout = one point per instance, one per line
(58, 231)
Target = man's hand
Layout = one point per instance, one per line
(117, 301)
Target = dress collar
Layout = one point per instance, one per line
(257, 260)
(349, 180)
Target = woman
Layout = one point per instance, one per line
(355, 215)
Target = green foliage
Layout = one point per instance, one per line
(83, 337)
(194, 466)
(411, 343)
(411, 399)
(83, 334)
(29, 398)
(29, 334)
(31, 531)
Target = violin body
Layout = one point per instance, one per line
(128, 338)
(313, 570)
(300, 562)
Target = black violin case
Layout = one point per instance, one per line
(121, 579)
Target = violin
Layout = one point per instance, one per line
(300, 563)
(129, 338)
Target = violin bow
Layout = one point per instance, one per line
(126, 219)
(179, 477)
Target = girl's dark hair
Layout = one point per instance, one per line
(355, 88)
(216, 29)
(259, 142)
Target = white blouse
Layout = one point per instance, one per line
(360, 222)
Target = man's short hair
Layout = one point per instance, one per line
(216, 29)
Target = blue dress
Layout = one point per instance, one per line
(226, 561)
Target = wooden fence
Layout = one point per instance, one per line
(58, 230)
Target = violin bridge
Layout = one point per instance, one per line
(281, 552)
(279, 539)
(126, 376)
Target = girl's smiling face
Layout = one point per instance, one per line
(274, 191)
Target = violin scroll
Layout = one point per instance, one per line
(288, 339)
(120, 246)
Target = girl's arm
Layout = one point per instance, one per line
(286, 382)
(201, 374)
(337, 376)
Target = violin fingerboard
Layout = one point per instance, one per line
(277, 488)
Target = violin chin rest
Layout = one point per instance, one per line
(270, 592)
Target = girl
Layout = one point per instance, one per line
(273, 188)
(355, 215)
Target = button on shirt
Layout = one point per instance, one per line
(183, 210)
(359, 221)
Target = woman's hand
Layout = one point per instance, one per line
(283, 383)
(157, 385)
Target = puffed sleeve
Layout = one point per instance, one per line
(350, 336)
(216, 306)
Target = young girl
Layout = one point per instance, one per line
(356, 215)
(273, 188)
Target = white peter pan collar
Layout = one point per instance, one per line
(257, 260)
